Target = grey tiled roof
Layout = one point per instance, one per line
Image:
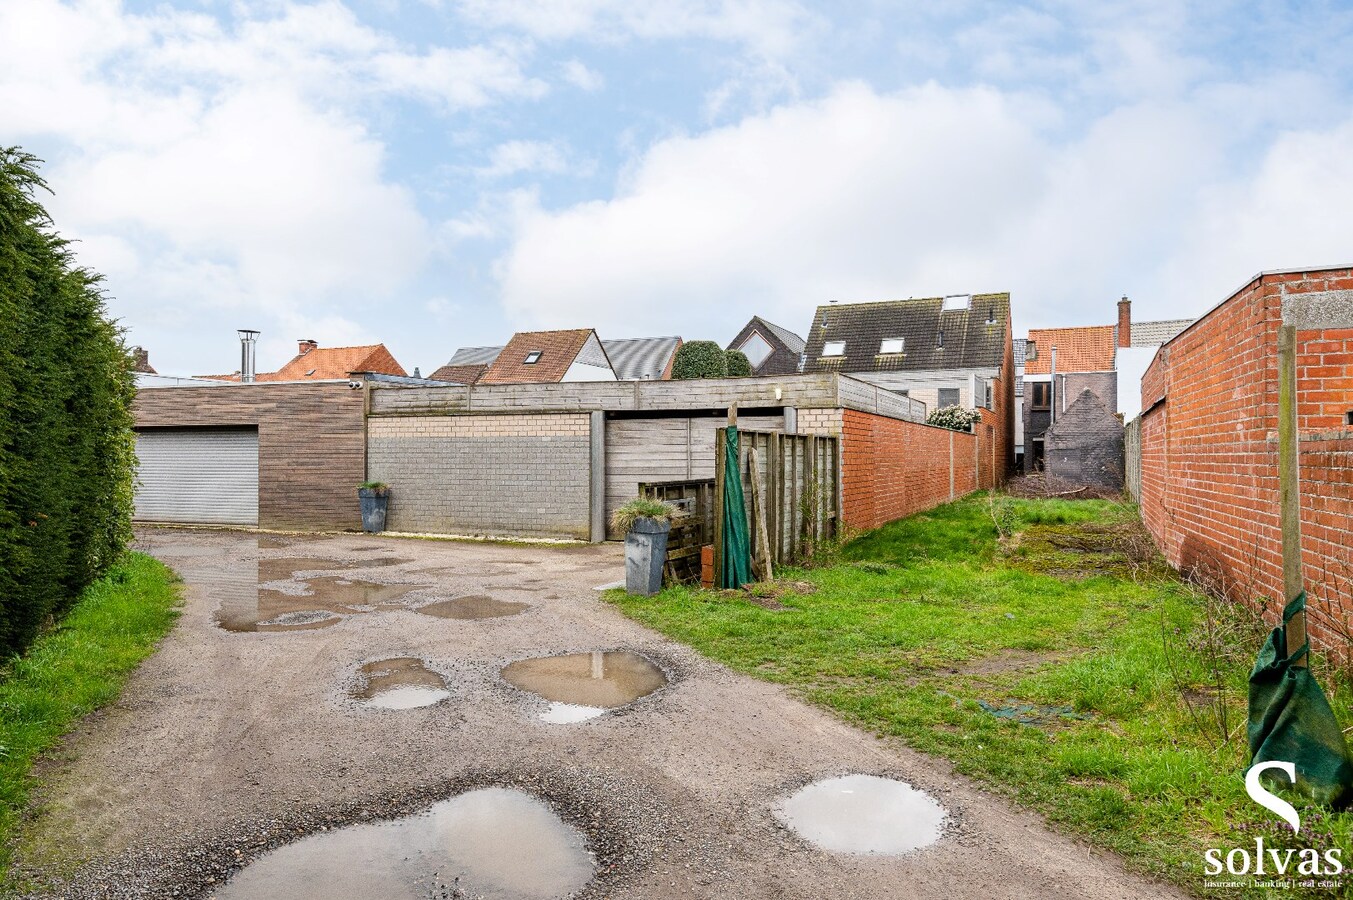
(1150, 334)
(474, 356)
(641, 359)
(1019, 344)
(974, 337)
(792, 341)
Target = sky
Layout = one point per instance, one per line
(434, 174)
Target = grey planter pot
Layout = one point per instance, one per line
(645, 556)
(374, 504)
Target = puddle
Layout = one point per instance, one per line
(595, 681)
(287, 567)
(399, 683)
(493, 843)
(863, 814)
(475, 606)
(326, 601)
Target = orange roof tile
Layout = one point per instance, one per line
(330, 363)
(1088, 349)
(558, 350)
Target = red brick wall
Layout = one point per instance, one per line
(311, 443)
(1209, 450)
(894, 468)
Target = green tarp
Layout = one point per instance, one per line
(1291, 721)
(735, 568)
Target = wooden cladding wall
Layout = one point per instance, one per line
(648, 451)
(792, 494)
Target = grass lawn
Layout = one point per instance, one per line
(1045, 648)
(75, 668)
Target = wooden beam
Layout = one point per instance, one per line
(1289, 482)
(759, 509)
(720, 449)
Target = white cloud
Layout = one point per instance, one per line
(767, 28)
(580, 76)
(513, 157)
(210, 167)
(863, 196)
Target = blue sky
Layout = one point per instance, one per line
(438, 174)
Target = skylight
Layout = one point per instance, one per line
(957, 301)
(834, 348)
(533, 357)
(892, 345)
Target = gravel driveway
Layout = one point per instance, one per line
(227, 743)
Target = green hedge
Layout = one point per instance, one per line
(738, 364)
(66, 448)
(700, 359)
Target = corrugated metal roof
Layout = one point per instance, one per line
(474, 356)
(641, 359)
(1150, 334)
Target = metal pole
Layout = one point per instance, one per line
(1052, 388)
(1289, 482)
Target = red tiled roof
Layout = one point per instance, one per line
(459, 374)
(329, 363)
(1088, 349)
(558, 350)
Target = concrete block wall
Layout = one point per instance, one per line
(1209, 477)
(517, 475)
(820, 421)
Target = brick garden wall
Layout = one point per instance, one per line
(895, 468)
(1209, 480)
(520, 475)
(311, 446)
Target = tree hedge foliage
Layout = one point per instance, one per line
(739, 366)
(699, 359)
(67, 454)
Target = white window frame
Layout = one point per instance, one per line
(834, 348)
(893, 345)
(533, 357)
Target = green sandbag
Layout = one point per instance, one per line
(1291, 720)
(735, 569)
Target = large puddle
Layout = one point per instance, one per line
(475, 606)
(493, 843)
(582, 686)
(399, 683)
(317, 603)
(864, 814)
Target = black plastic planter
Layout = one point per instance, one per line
(646, 555)
(374, 504)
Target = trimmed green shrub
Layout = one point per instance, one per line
(700, 359)
(67, 454)
(955, 418)
(738, 364)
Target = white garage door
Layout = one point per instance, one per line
(203, 476)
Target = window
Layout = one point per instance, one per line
(756, 349)
(533, 357)
(948, 397)
(1030, 350)
(939, 339)
(956, 302)
(987, 401)
(1041, 394)
(834, 348)
(892, 345)
(1348, 417)
(991, 314)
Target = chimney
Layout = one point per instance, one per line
(248, 338)
(1125, 322)
(306, 345)
(141, 361)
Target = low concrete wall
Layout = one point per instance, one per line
(506, 475)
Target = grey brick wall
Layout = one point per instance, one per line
(520, 475)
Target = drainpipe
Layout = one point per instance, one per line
(1052, 405)
(248, 339)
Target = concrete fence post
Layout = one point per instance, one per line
(597, 472)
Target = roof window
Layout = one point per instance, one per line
(834, 348)
(533, 357)
(939, 339)
(892, 345)
(957, 301)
